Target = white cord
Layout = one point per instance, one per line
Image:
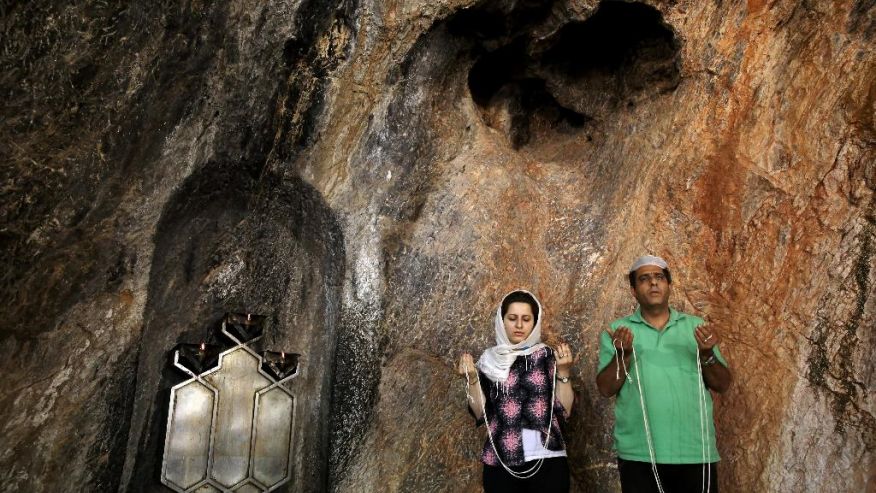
(617, 364)
(704, 428)
(620, 360)
(647, 427)
(532, 471)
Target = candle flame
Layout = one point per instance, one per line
(203, 346)
(247, 317)
(282, 355)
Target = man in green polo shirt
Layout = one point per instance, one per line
(661, 365)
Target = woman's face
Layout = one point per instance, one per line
(519, 322)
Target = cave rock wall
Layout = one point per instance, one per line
(373, 176)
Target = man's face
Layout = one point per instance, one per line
(652, 289)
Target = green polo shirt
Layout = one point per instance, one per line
(667, 361)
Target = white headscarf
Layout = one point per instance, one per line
(496, 361)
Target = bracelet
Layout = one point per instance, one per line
(711, 360)
(564, 379)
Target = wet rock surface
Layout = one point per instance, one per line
(373, 176)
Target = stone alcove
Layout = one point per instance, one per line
(229, 241)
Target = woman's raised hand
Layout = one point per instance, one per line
(565, 358)
(467, 366)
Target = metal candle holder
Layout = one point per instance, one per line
(280, 364)
(244, 326)
(198, 357)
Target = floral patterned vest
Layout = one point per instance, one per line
(522, 402)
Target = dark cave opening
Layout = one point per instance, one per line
(531, 89)
(493, 21)
(617, 37)
(504, 81)
(495, 70)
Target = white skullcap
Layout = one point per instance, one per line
(648, 260)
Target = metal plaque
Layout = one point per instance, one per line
(229, 429)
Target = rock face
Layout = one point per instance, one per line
(374, 176)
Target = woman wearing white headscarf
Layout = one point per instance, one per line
(521, 388)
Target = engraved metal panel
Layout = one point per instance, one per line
(237, 382)
(188, 442)
(273, 421)
(229, 429)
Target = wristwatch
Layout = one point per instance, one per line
(564, 379)
(711, 360)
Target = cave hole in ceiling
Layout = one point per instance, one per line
(626, 43)
(494, 20)
(533, 90)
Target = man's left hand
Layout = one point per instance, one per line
(706, 338)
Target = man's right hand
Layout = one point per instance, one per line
(622, 339)
(610, 380)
